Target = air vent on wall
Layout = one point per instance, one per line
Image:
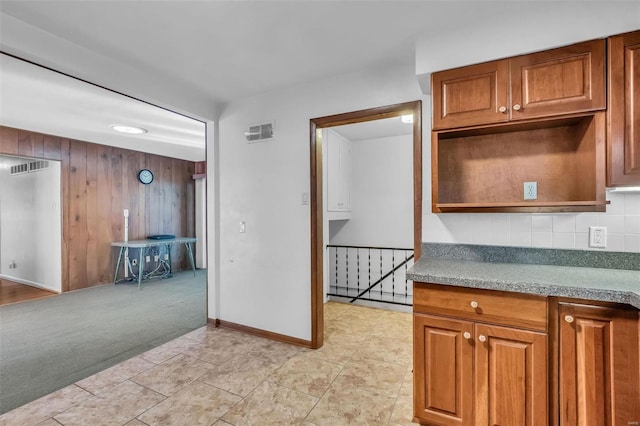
(19, 169)
(259, 132)
(34, 166)
(30, 167)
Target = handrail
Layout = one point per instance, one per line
(369, 247)
(382, 278)
(346, 257)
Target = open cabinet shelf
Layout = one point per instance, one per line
(484, 169)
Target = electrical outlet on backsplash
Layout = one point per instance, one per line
(551, 230)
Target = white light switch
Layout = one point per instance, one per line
(243, 227)
(305, 198)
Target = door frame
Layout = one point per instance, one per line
(316, 201)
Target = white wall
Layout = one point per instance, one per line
(559, 230)
(264, 276)
(201, 224)
(381, 195)
(31, 225)
(265, 273)
(544, 25)
(563, 230)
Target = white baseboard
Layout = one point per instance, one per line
(31, 283)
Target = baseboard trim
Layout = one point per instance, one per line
(259, 332)
(29, 283)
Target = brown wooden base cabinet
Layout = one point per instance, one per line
(598, 366)
(468, 372)
(484, 357)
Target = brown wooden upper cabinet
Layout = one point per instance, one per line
(555, 82)
(623, 114)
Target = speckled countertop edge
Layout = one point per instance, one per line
(597, 284)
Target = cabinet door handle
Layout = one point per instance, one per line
(482, 338)
(466, 335)
(517, 107)
(568, 318)
(474, 304)
(502, 109)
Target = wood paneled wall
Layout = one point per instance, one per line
(98, 183)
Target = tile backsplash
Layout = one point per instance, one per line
(557, 230)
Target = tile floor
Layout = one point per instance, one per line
(216, 376)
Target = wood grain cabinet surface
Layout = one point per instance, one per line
(474, 366)
(555, 82)
(598, 366)
(623, 112)
(443, 370)
(472, 95)
(532, 118)
(468, 372)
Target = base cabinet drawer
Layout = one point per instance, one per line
(497, 307)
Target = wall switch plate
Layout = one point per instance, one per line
(305, 199)
(243, 227)
(148, 259)
(531, 190)
(597, 236)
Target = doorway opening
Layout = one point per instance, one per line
(317, 125)
(30, 228)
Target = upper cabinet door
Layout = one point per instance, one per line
(560, 81)
(472, 95)
(623, 114)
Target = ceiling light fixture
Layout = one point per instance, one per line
(408, 119)
(131, 130)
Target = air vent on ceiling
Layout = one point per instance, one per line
(260, 132)
(30, 167)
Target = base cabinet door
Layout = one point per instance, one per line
(443, 368)
(511, 377)
(599, 365)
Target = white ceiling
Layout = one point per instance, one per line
(37, 99)
(197, 56)
(228, 50)
(375, 129)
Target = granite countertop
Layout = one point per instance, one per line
(598, 284)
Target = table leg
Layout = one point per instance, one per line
(115, 275)
(140, 267)
(169, 256)
(193, 265)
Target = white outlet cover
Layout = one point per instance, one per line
(598, 236)
(530, 190)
